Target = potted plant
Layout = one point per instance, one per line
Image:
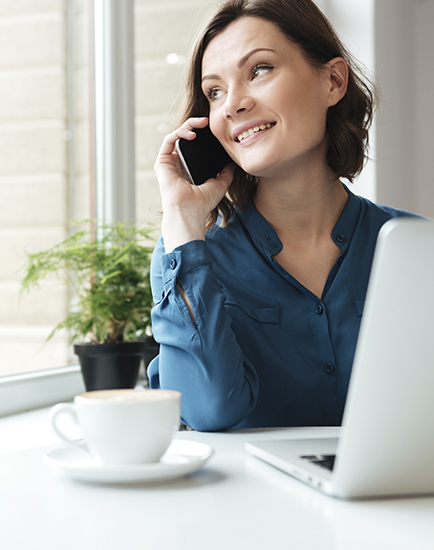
(107, 266)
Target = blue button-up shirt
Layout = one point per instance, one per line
(262, 350)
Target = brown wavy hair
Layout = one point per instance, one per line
(304, 25)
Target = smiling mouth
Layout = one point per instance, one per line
(254, 130)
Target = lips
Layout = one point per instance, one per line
(247, 130)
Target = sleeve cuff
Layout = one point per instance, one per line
(184, 258)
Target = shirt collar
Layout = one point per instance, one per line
(259, 229)
(265, 236)
(344, 229)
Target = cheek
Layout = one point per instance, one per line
(216, 126)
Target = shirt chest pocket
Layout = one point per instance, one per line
(262, 313)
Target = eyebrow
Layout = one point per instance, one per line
(240, 63)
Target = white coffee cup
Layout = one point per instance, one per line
(123, 426)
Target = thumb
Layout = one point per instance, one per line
(226, 176)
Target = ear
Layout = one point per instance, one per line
(337, 79)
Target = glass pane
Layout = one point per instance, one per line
(164, 31)
(43, 166)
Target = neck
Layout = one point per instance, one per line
(303, 208)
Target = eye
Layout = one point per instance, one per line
(260, 70)
(214, 94)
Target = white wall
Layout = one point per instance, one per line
(404, 54)
(395, 40)
(424, 98)
(353, 20)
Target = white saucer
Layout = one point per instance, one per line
(181, 458)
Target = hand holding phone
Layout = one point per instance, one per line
(203, 157)
(186, 208)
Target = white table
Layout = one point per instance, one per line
(234, 502)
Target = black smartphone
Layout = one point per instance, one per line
(204, 157)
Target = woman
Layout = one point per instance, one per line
(258, 316)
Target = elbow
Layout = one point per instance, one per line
(215, 415)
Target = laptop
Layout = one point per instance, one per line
(386, 442)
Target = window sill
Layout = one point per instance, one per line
(25, 392)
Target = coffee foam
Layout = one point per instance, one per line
(123, 396)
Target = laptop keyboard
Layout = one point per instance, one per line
(325, 461)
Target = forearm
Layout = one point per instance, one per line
(207, 405)
(200, 356)
(218, 386)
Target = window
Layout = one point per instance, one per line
(44, 147)
(41, 55)
(164, 31)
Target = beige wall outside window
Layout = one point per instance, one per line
(34, 174)
(44, 146)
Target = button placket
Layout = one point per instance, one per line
(320, 310)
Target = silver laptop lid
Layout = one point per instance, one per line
(390, 403)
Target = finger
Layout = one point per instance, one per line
(186, 131)
(195, 122)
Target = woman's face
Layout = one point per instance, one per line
(268, 106)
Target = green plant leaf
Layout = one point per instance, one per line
(109, 275)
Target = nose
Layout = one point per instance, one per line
(237, 102)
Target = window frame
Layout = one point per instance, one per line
(112, 173)
(33, 390)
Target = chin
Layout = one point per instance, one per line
(259, 170)
(255, 168)
(262, 165)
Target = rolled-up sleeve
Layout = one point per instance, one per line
(199, 357)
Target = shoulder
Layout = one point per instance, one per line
(383, 212)
(364, 219)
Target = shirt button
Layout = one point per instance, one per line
(319, 309)
(329, 368)
(173, 263)
(340, 238)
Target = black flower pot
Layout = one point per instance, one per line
(151, 350)
(110, 366)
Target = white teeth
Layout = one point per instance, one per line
(253, 130)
